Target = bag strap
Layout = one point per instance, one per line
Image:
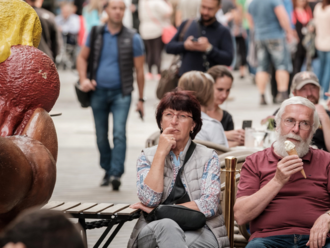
(176, 59)
(185, 28)
(178, 191)
(188, 155)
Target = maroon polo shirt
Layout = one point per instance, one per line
(298, 204)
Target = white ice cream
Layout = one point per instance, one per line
(288, 145)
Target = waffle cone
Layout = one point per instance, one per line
(294, 152)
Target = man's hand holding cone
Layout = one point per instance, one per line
(291, 150)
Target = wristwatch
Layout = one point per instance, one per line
(208, 50)
(141, 100)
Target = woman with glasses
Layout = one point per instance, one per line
(202, 85)
(178, 117)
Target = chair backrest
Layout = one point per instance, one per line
(152, 139)
(219, 149)
(241, 156)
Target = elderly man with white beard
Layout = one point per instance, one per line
(285, 209)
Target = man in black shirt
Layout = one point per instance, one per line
(205, 43)
(306, 84)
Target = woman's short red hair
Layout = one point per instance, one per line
(181, 101)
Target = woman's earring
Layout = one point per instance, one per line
(192, 131)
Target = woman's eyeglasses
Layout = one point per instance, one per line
(180, 116)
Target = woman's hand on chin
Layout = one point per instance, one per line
(167, 140)
(139, 205)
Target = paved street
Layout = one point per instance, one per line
(78, 171)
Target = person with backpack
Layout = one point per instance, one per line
(112, 84)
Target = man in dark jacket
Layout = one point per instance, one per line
(206, 42)
(50, 39)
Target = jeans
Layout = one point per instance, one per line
(166, 233)
(104, 102)
(324, 72)
(283, 241)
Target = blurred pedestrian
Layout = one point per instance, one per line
(301, 16)
(135, 14)
(154, 16)
(240, 36)
(271, 24)
(187, 9)
(92, 13)
(112, 86)
(68, 23)
(322, 42)
(51, 38)
(206, 41)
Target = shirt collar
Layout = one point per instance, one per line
(182, 154)
(273, 157)
(214, 24)
(106, 30)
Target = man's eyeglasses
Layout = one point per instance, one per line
(303, 125)
(180, 116)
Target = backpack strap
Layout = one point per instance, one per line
(94, 32)
(185, 28)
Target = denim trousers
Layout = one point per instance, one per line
(324, 72)
(166, 233)
(104, 102)
(283, 241)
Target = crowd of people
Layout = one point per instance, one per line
(281, 41)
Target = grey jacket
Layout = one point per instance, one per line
(192, 173)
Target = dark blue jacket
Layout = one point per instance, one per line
(218, 35)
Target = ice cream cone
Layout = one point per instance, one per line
(294, 152)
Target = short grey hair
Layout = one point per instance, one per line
(301, 101)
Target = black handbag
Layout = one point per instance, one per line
(188, 219)
(85, 97)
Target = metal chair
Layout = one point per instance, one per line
(152, 140)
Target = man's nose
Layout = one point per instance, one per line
(295, 128)
(309, 92)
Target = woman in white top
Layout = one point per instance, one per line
(202, 85)
(322, 42)
(154, 16)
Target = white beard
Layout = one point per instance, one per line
(302, 147)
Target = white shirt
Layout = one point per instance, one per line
(70, 25)
(152, 15)
(322, 27)
(212, 130)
